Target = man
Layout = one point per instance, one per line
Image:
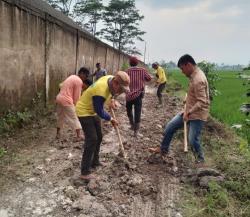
(161, 80)
(99, 72)
(196, 112)
(137, 76)
(70, 92)
(90, 108)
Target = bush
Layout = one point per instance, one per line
(212, 77)
(12, 119)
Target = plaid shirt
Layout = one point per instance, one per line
(138, 77)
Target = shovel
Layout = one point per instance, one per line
(121, 148)
(185, 130)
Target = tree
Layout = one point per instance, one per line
(64, 6)
(132, 50)
(90, 9)
(121, 19)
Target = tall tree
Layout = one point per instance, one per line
(65, 6)
(89, 13)
(122, 19)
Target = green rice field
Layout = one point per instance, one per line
(225, 106)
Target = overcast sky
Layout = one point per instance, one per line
(213, 30)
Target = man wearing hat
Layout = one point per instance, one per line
(90, 111)
(161, 80)
(138, 76)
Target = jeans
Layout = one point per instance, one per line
(194, 126)
(137, 102)
(91, 126)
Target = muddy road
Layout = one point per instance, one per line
(41, 177)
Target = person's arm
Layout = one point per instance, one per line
(98, 103)
(77, 93)
(94, 73)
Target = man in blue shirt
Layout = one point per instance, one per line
(99, 71)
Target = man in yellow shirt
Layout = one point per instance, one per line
(161, 80)
(90, 111)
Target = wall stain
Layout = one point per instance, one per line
(22, 59)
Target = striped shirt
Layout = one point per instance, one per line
(138, 77)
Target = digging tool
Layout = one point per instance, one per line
(122, 152)
(185, 129)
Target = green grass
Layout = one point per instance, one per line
(229, 198)
(225, 106)
(229, 155)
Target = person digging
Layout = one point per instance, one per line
(195, 113)
(161, 80)
(70, 92)
(90, 111)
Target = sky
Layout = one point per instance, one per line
(213, 30)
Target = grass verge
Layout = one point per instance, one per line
(226, 152)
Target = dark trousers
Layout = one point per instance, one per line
(159, 91)
(137, 103)
(91, 126)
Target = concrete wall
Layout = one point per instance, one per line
(22, 44)
(38, 50)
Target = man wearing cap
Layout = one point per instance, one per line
(161, 80)
(70, 92)
(138, 76)
(90, 111)
(99, 71)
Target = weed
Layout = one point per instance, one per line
(17, 119)
(125, 66)
(14, 120)
(2, 152)
(216, 199)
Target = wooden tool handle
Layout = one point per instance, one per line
(185, 137)
(119, 136)
(185, 130)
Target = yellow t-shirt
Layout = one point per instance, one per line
(84, 106)
(161, 75)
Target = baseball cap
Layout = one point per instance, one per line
(123, 79)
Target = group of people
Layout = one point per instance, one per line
(81, 104)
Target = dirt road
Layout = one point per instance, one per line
(41, 179)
